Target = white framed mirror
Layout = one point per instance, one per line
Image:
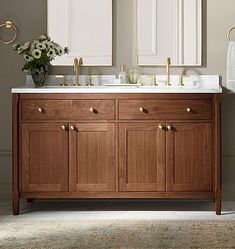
(169, 28)
(85, 27)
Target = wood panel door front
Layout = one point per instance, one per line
(189, 157)
(92, 157)
(141, 157)
(45, 157)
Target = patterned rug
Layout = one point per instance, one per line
(102, 234)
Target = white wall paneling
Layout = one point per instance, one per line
(85, 26)
(169, 28)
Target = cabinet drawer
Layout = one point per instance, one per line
(67, 109)
(165, 109)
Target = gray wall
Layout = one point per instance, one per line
(30, 18)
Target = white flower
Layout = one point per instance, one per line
(42, 37)
(41, 46)
(19, 50)
(15, 46)
(51, 45)
(59, 50)
(25, 46)
(37, 53)
(45, 43)
(51, 54)
(28, 57)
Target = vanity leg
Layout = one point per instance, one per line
(15, 155)
(30, 200)
(217, 104)
(218, 204)
(15, 203)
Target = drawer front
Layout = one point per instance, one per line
(165, 109)
(67, 109)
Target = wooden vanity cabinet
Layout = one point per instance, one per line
(116, 146)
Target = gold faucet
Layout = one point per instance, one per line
(76, 66)
(168, 77)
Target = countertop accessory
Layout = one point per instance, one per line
(122, 74)
(39, 75)
(9, 25)
(133, 75)
(124, 85)
(38, 56)
(230, 32)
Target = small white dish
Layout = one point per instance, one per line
(124, 84)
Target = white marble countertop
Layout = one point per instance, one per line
(114, 89)
(104, 84)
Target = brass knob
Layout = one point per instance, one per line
(63, 127)
(189, 109)
(141, 109)
(169, 127)
(160, 127)
(72, 128)
(92, 109)
(40, 109)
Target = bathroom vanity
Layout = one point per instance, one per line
(81, 143)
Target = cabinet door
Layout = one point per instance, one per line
(141, 157)
(92, 157)
(44, 162)
(189, 157)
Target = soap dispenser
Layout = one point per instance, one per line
(122, 75)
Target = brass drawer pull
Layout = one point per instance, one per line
(72, 128)
(40, 110)
(92, 109)
(141, 109)
(169, 127)
(63, 127)
(189, 109)
(160, 127)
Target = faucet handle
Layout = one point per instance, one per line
(169, 61)
(181, 79)
(154, 80)
(80, 61)
(90, 82)
(62, 77)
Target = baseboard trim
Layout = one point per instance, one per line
(5, 153)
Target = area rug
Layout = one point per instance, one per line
(102, 234)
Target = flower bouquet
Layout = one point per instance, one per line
(38, 56)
